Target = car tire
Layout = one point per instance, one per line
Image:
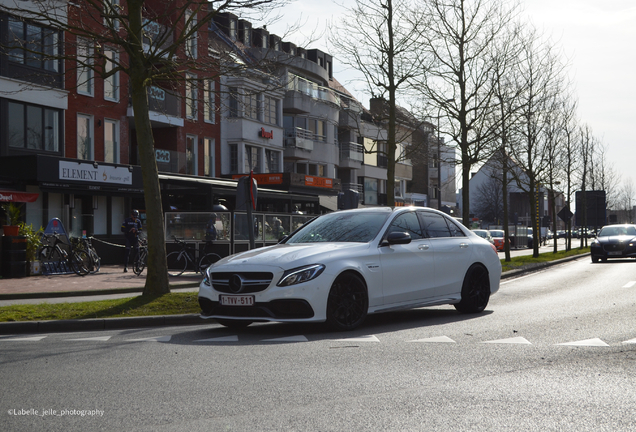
(475, 290)
(348, 302)
(236, 324)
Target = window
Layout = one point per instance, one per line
(111, 12)
(272, 161)
(270, 110)
(408, 223)
(84, 63)
(33, 45)
(209, 109)
(234, 102)
(251, 105)
(252, 159)
(434, 224)
(191, 96)
(33, 127)
(111, 141)
(191, 41)
(370, 191)
(233, 158)
(111, 83)
(208, 157)
(84, 137)
(190, 154)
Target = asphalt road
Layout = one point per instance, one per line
(554, 351)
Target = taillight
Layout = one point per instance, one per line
(494, 248)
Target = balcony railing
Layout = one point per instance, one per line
(353, 151)
(353, 186)
(312, 89)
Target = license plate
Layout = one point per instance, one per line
(237, 300)
(615, 253)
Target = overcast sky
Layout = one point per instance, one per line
(597, 36)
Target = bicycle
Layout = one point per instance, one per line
(76, 259)
(178, 261)
(86, 244)
(140, 260)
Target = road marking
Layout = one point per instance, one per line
(438, 339)
(631, 341)
(588, 342)
(629, 284)
(151, 339)
(97, 338)
(359, 339)
(514, 340)
(298, 338)
(25, 339)
(233, 338)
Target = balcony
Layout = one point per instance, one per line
(353, 186)
(302, 93)
(164, 108)
(351, 155)
(298, 143)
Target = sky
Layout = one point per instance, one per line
(597, 39)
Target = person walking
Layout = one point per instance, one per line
(131, 227)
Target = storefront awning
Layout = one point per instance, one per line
(13, 196)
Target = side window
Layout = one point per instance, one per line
(455, 230)
(406, 222)
(434, 225)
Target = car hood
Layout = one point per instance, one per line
(616, 239)
(288, 256)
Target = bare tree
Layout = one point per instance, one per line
(489, 198)
(458, 38)
(570, 156)
(158, 41)
(377, 39)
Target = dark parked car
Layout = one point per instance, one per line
(614, 241)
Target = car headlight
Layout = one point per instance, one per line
(301, 274)
(206, 277)
(594, 243)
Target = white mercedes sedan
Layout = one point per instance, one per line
(342, 266)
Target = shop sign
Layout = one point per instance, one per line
(318, 182)
(12, 196)
(263, 179)
(86, 172)
(264, 134)
(162, 156)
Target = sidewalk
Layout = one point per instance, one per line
(109, 280)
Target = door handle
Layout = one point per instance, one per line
(423, 247)
(463, 245)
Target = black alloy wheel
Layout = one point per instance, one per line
(348, 302)
(475, 290)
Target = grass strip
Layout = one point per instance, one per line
(167, 304)
(181, 303)
(526, 261)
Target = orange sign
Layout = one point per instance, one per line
(318, 182)
(264, 179)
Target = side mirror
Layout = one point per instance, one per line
(398, 238)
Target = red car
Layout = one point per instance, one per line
(498, 238)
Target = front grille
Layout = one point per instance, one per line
(276, 309)
(614, 247)
(241, 282)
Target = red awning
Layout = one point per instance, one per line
(13, 196)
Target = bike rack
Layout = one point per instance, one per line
(55, 268)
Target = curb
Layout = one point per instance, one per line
(92, 324)
(87, 293)
(7, 328)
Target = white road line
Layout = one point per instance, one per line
(220, 339)
(629, 284)
(438, 339)
(25, 339)
(596, 342)
(359, 339)
(151, 339)
(298, 338)
(97, 338)
(631, 341)
(514, 340)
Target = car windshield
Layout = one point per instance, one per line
(496, 233)
(617, 231)
(346, 227)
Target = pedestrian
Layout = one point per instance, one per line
(210, 232)
(131, 227)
